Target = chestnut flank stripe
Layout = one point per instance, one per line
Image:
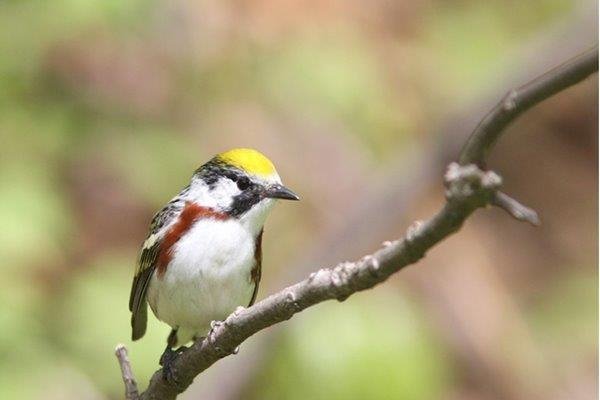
(191, 213)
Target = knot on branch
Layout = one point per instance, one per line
(292, 300)
(468, 183)
(314, 275)
(413, 231)
(340, 277)
(372, 264)
(509, 102)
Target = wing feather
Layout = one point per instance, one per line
(256, 272)
(147, 264)
(137, 299)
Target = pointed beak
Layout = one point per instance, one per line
(281, 192)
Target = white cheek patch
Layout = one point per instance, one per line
(219, 197)
(224, 192)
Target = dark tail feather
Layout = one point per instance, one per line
(138, 322)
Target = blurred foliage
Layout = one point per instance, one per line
(106, 107)
(380, 336)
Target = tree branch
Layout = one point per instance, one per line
(515, 209)
(467, 188)
(521, 99)
(514, 103)
(131, 390)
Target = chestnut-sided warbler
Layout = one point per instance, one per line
(202, 257)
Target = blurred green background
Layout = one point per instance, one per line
(106, 108)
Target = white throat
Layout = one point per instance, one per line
(254, 219)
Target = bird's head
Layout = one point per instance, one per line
(241, 182)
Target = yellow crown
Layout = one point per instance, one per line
(249, 160)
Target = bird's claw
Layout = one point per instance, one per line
(169, 355)
(215, 324)
(168, 371)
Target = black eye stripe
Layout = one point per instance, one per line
(231, 176)
(243, 183)
(244, 202)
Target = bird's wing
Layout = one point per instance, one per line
(255, 274)
(147, 264)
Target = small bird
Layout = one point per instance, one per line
(202, 257)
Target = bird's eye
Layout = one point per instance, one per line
(243, 183)
(232, 177)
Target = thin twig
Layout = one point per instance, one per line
(514, 103)
(521, 99)
(516, 209)
(467, 188)
(131, 390)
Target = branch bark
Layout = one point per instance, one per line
(131, 389)
(468, 187)
(521, 99)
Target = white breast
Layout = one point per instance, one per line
(207, 278)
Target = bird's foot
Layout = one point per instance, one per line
(166, 362)
(213, 326)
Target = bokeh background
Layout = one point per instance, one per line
(106, 107)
